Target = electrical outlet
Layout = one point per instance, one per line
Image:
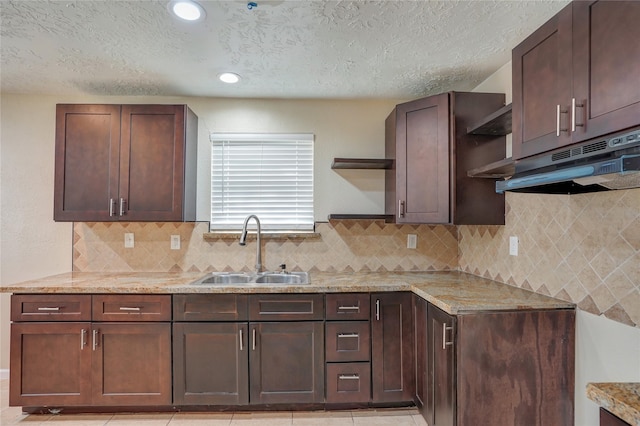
(513, 246)
(175, 242)
(128, 240)
(412, 241)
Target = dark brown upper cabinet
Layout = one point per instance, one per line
(125, 163)
(575, 78)
(428, 182)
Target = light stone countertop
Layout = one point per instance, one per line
(453, 292)
(620, 399)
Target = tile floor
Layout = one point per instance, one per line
(395, 417)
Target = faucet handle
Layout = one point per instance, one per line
(283, 268)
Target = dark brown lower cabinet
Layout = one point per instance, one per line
(286, 362)
(131, 364)
(392, 375)
(608, 419)
(441, 372)
(506, 368)
(101, 364)
(420, 332)
(50, 364)
(210, 364)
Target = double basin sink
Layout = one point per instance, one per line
(245, 278)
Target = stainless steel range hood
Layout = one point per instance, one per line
(608, 163)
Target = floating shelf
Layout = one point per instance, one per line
(496, 170)
(495, 124)
(361, 163)
(386, 218)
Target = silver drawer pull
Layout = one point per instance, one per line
(349, 377)
(124, 308)
(444, 336)
(348, 308)
(83, 338)
(94, 339)
(348, 335)
(55, 308)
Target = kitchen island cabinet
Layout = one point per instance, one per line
(125, 162)
(428, 182)
(574, 79)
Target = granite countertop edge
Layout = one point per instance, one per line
(619, 398)
(452, 291)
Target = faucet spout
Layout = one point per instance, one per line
(243, 240)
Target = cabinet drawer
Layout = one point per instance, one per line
(286, 307)
(210, 307)
(50, 307)
(349, 382)
(348, 341)
(132, 307)
(348, 306)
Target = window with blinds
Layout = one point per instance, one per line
(269, 175)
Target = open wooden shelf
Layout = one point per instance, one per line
(361, 163)
(496, 170)
(495, 124)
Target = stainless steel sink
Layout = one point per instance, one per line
(238, 278)
(280, 278)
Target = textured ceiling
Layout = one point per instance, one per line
(282, 49)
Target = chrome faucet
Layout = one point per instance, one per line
(243, 240)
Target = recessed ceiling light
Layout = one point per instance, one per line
(229, 77)
(187, 9)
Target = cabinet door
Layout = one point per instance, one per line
(441, 392)
(86, 162)
(421, 336)
(422, 160)
(286, 362)
(210, 364)
(542, 88)
(50, 364)
(152, 162)
(392, 347)
(606, 54)
(131, 364)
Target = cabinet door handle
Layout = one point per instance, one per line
(112, 207)
(83, 338)
(400, 208)
(559, 111)
(575, 105)
(348, 308)
(51, 308)
(241, 340)
(356, 335)
(349, 377)
(122, 203)
(444, 336)
(253, 344)
(377, 309)
(125, 308)
(94, 340)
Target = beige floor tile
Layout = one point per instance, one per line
(383, 420)
(194, 419)
(14, 416)
(322, 418)
(148, 419)
(419, 420)
(281, 418)
(80, 419)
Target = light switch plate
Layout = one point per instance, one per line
(128, 240)
(513, 246)
(412, 241)
(175, 242)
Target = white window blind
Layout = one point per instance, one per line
(269, 175)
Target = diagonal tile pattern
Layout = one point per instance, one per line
(580, 248)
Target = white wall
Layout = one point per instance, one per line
(606, 351)
(33, 246)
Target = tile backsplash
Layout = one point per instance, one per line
(580, 248)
